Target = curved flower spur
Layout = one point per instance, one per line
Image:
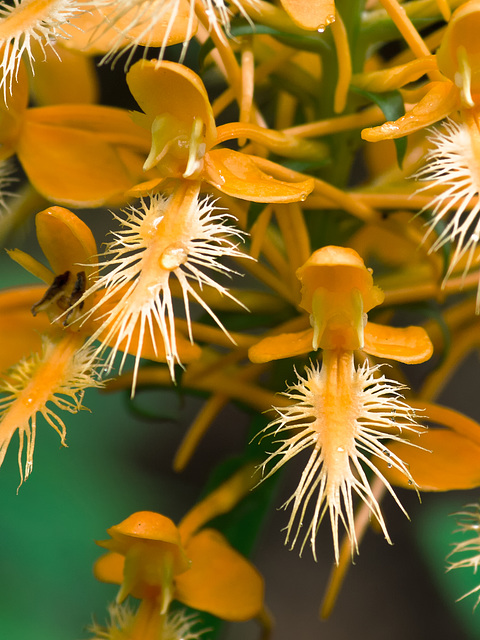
(345, 415)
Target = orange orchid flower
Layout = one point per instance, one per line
(177, 112)
(60, 371)
(177, 233)
(451, 167)
(342, 414)
(325, 296)
(80, 155)
(157, 562)
(46, 359)
(179, 237)
(456, 89)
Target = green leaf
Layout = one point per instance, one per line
(391, 103)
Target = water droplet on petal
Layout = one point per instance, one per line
(340, 449)
(173, 256)
(321, 28)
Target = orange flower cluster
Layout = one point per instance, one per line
(283, 142)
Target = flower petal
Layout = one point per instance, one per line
(153, 529)
(449, 458)
(459, 53)
(286, 345)
(236, 174)
(98, 31)
(66, 241)
(33, 266)
(73, 167)
(312, 14)
(406, 344)
(220, 581)
(12, 112)
(109, 568)
(394, 77)
(448, 462)
(172, 88)
(21, 327)
(63, 77)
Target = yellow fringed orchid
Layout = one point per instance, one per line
(177, 112)
(455, 89)
(46, 360)
(332, 282)
(179, 236)
(342, 414)
(451, 165)
(58, 373)
(157, 562)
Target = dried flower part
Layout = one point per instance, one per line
(178, 236)
(344, 417)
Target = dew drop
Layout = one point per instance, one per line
(389, 465)
(410, 481)
(321, 28)
(173, 256)
(330, 19)
(340, 449)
